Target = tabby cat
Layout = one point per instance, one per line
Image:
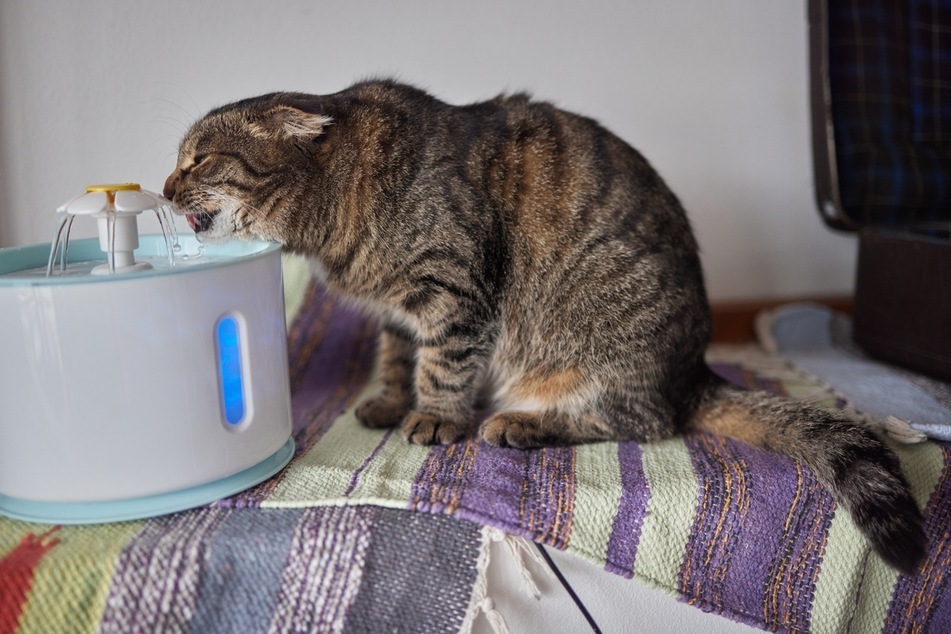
(520, 258)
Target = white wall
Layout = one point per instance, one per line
(714, 93)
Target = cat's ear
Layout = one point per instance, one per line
(290, 123)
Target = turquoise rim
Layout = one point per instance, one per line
(148, 506)
(15, 259)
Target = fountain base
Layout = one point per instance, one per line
(103, 269)
(148, 506)
(139, 394)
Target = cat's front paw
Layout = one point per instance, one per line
(421, 428)
(520, 430)
(380, 412)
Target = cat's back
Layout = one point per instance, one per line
(570, 200)
(552, 170)
(595, 236)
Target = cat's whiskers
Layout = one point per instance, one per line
(212, 197)
(242, 214)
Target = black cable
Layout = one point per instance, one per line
(569, 589)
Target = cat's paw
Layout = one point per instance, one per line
(421, 428)
(380, 412)
(512, 429)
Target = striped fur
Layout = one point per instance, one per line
(519, 256)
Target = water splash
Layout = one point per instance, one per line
(169, 232)
(194, 256)
(54, 245)
(109, 204)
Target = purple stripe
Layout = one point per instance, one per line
(635, 492)
(338, 364)
(527, 493)
(301, 329)
(732, 372)
(155, 584)
(923, 602)
(735, 561)
(444, 475)
(768, 491)
(475, 481)
(494, 493)
(791, 583)
(301, 353)
(721, 511)
(548, 497)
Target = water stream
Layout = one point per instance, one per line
(60, 243)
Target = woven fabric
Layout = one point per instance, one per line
(820, 341)
(725, 527)
(728, 528)
(888, 72)
(333, 569)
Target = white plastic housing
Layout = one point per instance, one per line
(125, 229)
(118, 234)
(110, 385)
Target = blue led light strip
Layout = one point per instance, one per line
(230, 375)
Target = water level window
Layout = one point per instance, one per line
(230, 369)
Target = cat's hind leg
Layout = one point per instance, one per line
(546, 408)
(525, 429)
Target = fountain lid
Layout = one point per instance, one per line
(113, 198)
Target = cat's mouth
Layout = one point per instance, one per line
(200, 221)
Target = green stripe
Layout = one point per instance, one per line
(391, 474)
(297, 276)
(839, 576)
(72, 581)
(597, 497)
(12, 533)
(670, 513)
(323, 474)
(854, 586)
(922, 465)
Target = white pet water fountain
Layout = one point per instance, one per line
(139, 375)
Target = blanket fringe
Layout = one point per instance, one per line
(481, 603)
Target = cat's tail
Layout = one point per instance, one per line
(862, 473)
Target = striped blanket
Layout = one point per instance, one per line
(330, 569)
(725, 527)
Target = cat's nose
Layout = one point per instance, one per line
(171, 185)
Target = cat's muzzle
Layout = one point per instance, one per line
(200, 221)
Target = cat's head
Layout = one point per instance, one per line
(237, 166)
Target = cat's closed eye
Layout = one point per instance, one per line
(196, 162)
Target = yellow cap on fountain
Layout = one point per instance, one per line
(119, 187)
(111, 189)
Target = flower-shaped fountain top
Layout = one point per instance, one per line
(115, 208)
(118, 198)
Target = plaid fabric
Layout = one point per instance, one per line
(889, 63)
(930, 34)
